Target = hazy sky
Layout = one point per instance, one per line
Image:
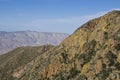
(51, 15)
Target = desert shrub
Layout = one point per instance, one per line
(117, 47)
(104, 74)
(59, 76)
(105, 35)
(89, 51)
(65, 57)
(111, 58)
(104, 46)
(116, 35)
(12, 78)
(82, 77)
(104, 65)
(87, 56)
(73, 73)
(107, 26)
(90, 45)
(117, 65)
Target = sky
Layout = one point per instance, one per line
(63, 16)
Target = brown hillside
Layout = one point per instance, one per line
(92, 52)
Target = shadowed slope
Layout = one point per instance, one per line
(19, 57)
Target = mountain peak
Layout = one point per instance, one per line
(111, 17)
(114, 11)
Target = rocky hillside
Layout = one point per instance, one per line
(12, 40)
(92, 52)
(18, 58)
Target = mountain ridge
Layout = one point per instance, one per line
(12, 40)
(92, 52)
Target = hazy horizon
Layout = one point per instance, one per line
(62, 16)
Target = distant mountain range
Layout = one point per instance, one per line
(11, 40)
